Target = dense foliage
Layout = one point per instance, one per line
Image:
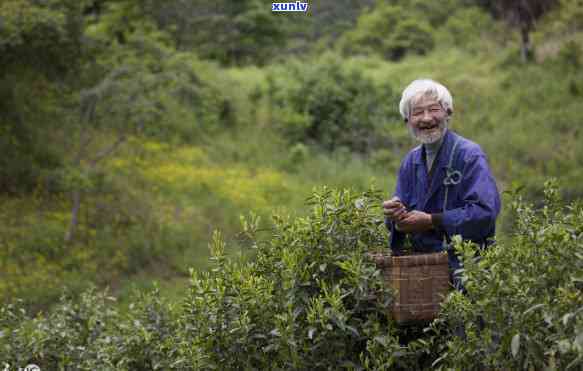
(391, 31)
(328, 105)
(40, 45)
(523, 308)
(308, 299)
(311, 299)
(230, 32)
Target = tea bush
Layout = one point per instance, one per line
(523, 308)
(90, 333)
(308, 298)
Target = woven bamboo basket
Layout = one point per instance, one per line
(420, 282)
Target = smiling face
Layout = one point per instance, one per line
(428, 120)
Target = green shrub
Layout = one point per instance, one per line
(467, 26)
(62, 339)
(309, 298)
(40, 35)
(40, 49)
(523, 308)
(390, 31)
(327, 104)
(238, 33)
(566, 18)
(435, 12)
(150, 88)
(571, 55)
(90, 333)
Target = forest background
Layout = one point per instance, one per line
(130, 130)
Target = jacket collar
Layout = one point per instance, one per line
(443, 155)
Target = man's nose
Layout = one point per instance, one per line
(426, 116)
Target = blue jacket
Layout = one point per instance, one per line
(472, 205)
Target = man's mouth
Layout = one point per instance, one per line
(429, 127)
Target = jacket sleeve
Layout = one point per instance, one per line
(397, 238)
(480, 202)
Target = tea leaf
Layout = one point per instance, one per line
(515, 345)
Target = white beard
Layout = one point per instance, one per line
(429, 137)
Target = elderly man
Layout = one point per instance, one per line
(444, 186)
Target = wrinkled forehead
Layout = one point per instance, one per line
(424, 100)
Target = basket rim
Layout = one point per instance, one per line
(434, 258)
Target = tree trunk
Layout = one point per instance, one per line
(526, 46)
(89, 102)
(76, 198)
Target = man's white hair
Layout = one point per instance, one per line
(428, 88)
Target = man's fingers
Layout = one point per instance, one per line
(400, 214)
(393, 202)
(392, 208)
(395, 212)
(409, 218)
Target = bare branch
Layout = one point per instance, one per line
(109, 150)
(76, 198)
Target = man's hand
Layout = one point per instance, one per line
(394, 209)
(414, 222)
